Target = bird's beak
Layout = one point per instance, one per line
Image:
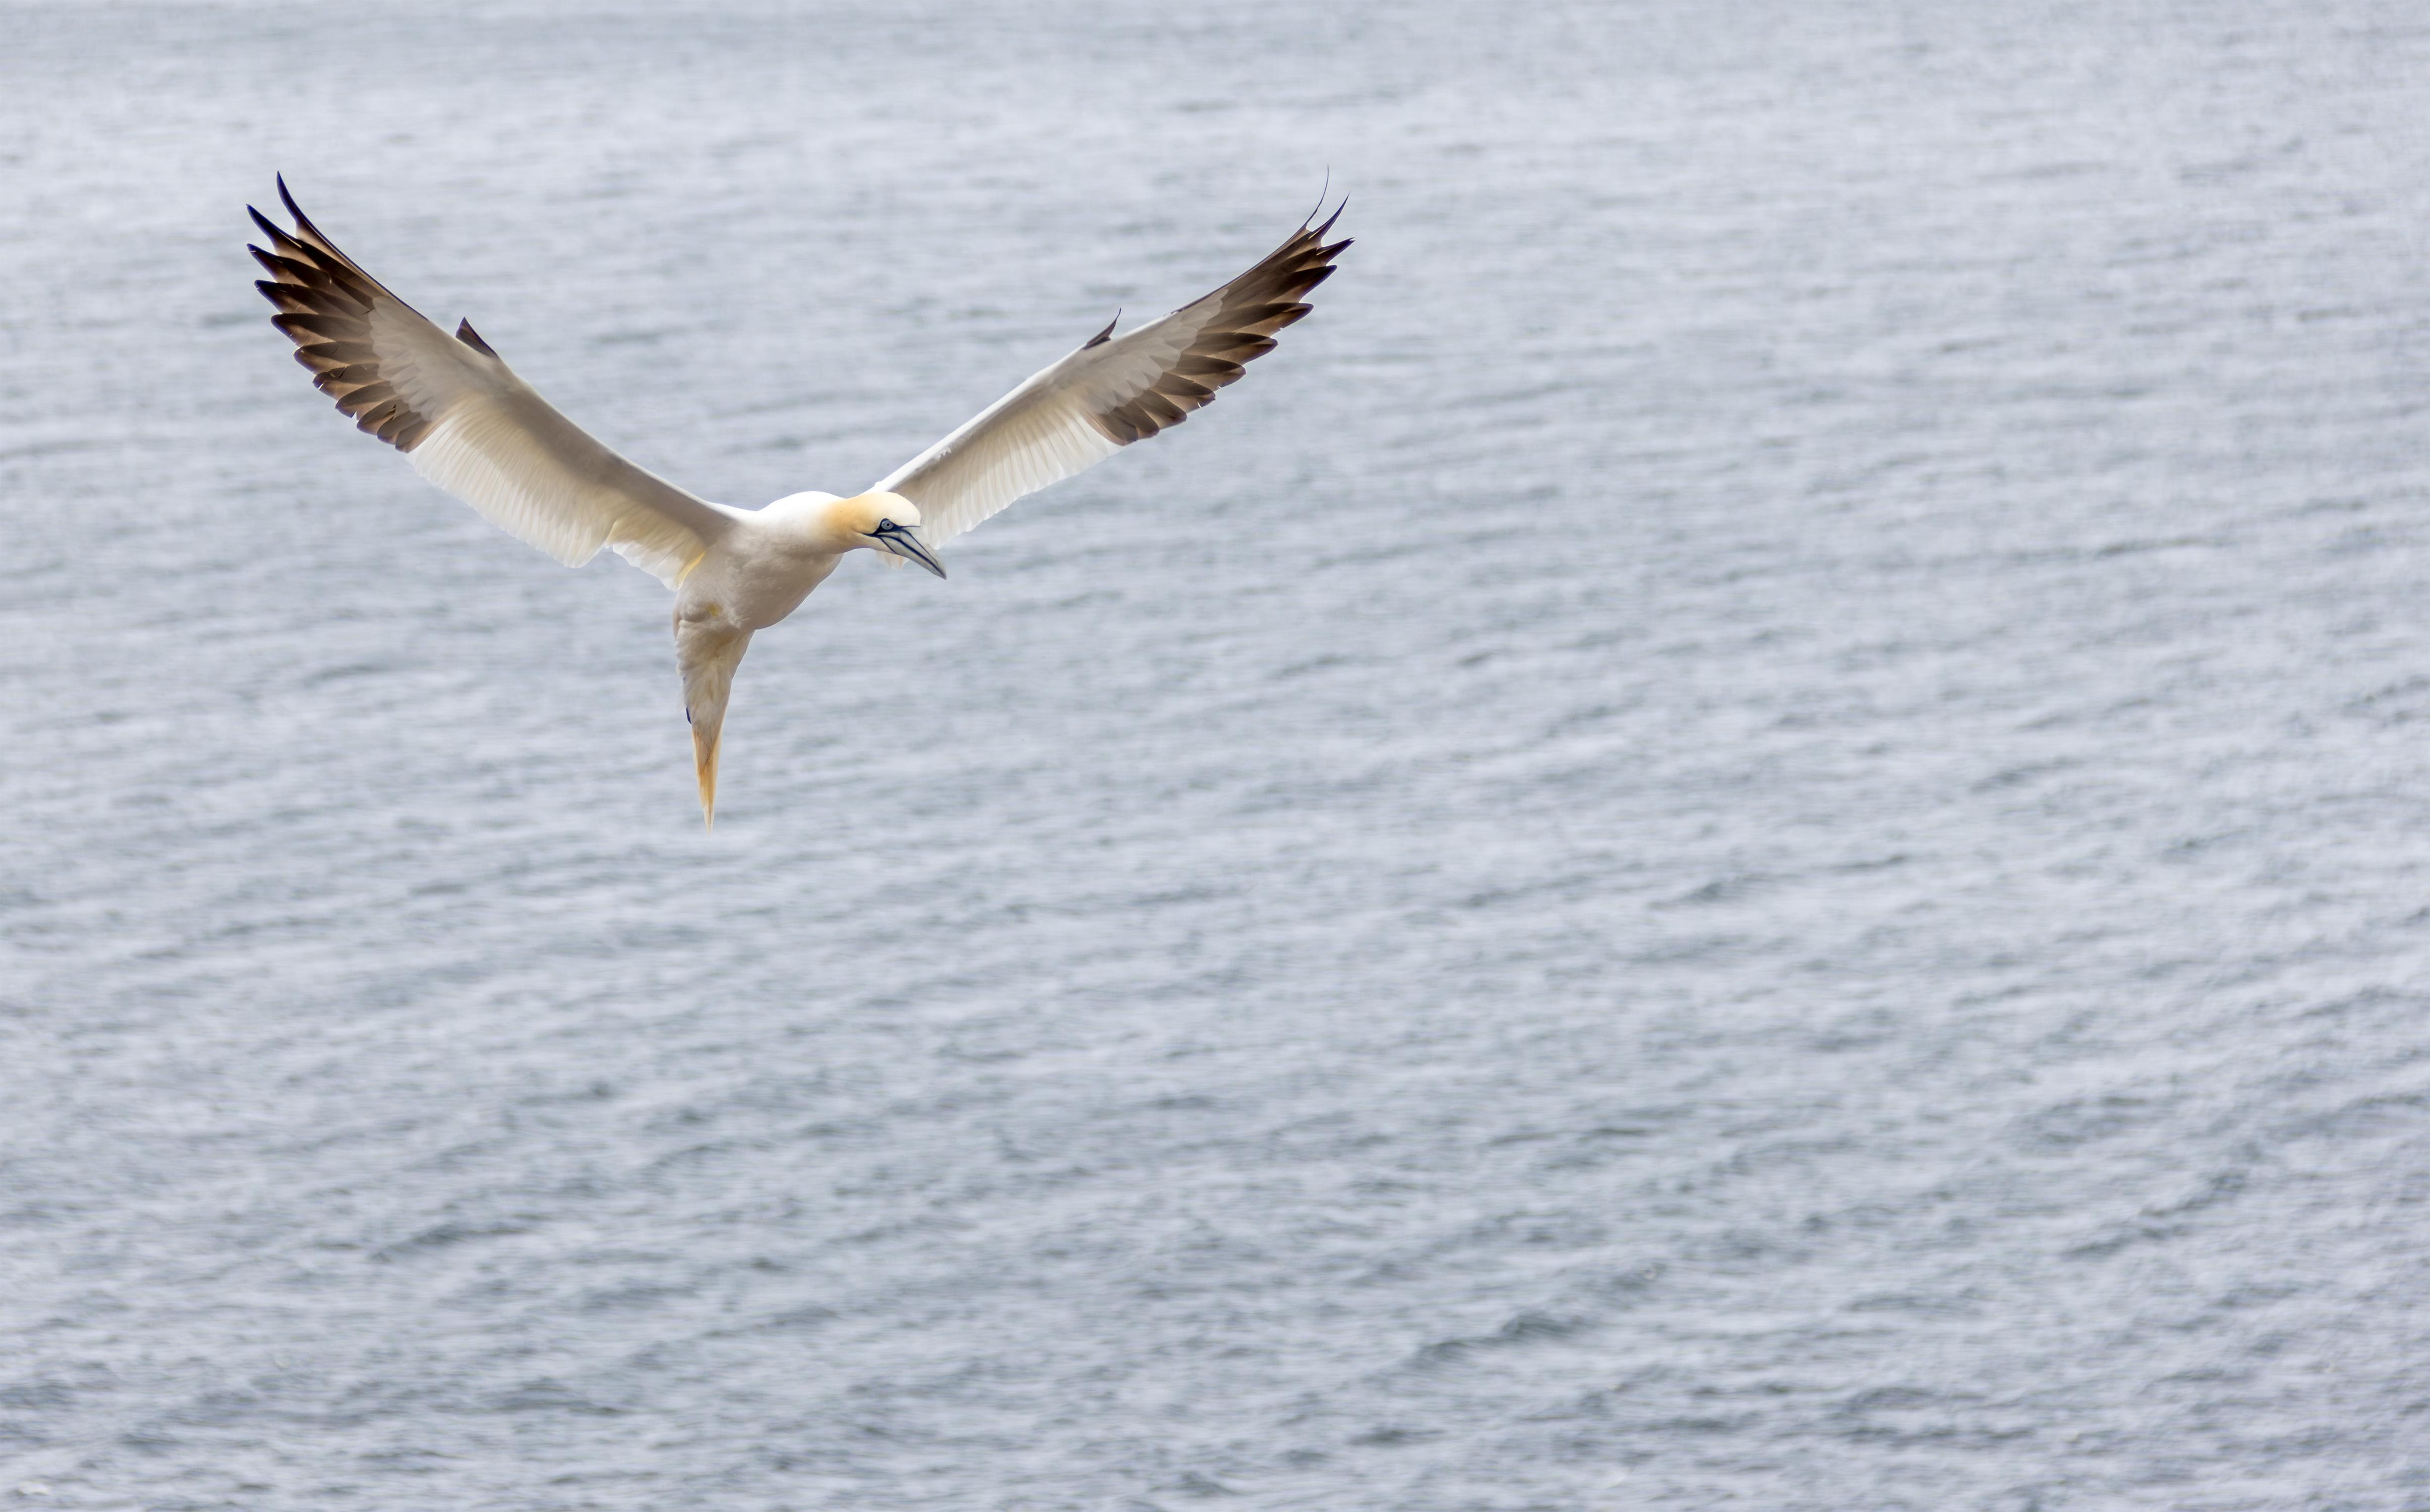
(903, 543)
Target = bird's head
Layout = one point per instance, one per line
(884, 522)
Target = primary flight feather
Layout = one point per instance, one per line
(469, 425)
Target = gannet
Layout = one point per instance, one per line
(468, 424)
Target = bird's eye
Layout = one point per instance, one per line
(885, 526)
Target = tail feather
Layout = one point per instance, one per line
(708, 652)
(704, 761)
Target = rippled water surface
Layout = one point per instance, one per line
(1752, 831)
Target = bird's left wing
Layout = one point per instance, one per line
(465, 421)
(1109, 393)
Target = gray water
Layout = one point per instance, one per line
(1751, 832)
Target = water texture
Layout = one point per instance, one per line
(1752, 832)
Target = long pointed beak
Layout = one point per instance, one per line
(904, 544)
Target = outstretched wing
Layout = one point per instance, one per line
(465, 421)
(1109, 393)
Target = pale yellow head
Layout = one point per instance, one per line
(884, 522)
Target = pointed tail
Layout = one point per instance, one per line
(704, 761)
(708, 652)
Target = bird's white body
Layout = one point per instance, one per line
(750, 576)
(471, 425)
(763, 568)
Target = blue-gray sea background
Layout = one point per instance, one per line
(1750, 831)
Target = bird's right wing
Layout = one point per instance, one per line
(465, 421)
(1109, 393)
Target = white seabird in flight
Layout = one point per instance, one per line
(469, 425)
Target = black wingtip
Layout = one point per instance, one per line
(1330, 219)
(305, 229)
(282, 242)
(471, 337)
(1104, 336)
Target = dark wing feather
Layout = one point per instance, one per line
(327, 305)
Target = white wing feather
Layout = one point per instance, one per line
(466, 422)
(1108, 393)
